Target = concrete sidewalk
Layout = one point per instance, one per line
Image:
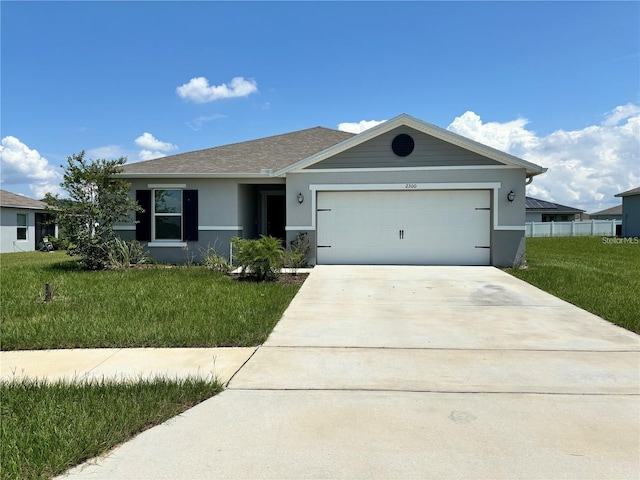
(412, 372)
(123, 364)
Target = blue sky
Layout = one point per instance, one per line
(556, 83)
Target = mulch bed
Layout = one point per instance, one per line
(283, 278)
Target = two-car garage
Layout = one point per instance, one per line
(404, 227)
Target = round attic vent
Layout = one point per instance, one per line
(402, 145)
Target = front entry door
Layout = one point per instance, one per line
(276, 216)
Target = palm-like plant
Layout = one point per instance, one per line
(261, 258)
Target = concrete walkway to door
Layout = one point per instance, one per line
(412, 372)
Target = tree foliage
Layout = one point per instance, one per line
(96, 199)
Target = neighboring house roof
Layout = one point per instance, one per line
(279, 154)
(245, 158)
(537, 205)
(617, 210)
(8, 199)
(628, 193)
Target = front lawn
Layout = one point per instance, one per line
(148, 307)
(601, 275)
(49, 427)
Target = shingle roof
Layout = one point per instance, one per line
(537, 204)
(249, 157)
(617, 210)
(633, 191)
(8, 199)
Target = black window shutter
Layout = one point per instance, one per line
(143, 219)
(190, 206)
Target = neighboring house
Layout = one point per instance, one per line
(630, 212)
(543, 211)
(613, 213)
(23, 223)
(403, 192)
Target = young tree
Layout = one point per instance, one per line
(96, 198)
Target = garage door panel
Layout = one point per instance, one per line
(404, 227)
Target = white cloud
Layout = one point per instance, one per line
(357, 127)
(586, 167)
(108, 152)
(145, 154)
(152, 147)
(39, 190)
(23, 165)
(621, 113)
(509, 137)
(148, 141)
(197, 123)
(198, 89)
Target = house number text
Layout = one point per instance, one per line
(410, 185)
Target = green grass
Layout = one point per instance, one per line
(154, 307)
(590, 272)
(49, 427)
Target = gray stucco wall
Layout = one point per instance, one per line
(9, 230)
(631, 216)
(510, 214)
(227, 208)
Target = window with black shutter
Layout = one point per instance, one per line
(170, 215)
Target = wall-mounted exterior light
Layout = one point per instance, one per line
(511, 196)
(300, 197)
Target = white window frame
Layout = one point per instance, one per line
(162, 214)
(25, 227)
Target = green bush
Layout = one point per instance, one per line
(212, 260)
(93, 253)
(124, 253)
(58, 243)
(260, 258)
(296, 253)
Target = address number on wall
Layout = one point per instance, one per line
(410, 185)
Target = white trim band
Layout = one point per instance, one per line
(407, 169)
(298, 227)
(209, 228)
(202, 228)
(408, 186)
(509, 227)
(167, 185)
(167, 244)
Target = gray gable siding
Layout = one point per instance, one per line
(428, 152)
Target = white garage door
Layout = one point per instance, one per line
(443, 227)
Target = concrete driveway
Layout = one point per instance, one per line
(412, 372)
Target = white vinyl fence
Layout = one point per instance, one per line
(572, 229)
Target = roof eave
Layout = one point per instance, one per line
(29, 207)
(629, 193)
(196, 175)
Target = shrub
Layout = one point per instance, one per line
(260, 258)
(212, 260)
(122, 253)
(94, 253)
(296, 253)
